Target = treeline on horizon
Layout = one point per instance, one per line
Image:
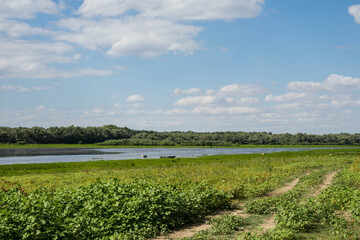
(113, 135)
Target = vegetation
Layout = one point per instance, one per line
(333, 213)
(221, 226)
(113, 135)
(138, 199)
(127, 211)
(273, 204)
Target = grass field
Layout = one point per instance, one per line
(138, 199)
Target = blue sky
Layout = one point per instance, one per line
(200, 65)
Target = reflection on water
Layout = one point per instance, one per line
(78, 155)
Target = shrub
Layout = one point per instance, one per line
(114, 209)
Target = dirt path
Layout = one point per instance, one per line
(193, 229)
(284, 189)
(327, 182)
(269, 223)
(266, 225)
(186, 232)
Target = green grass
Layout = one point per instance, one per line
(71, 167)
(228, 172)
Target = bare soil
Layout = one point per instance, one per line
(186, 232)
(284, 189)
(326, 183)
(269, 223)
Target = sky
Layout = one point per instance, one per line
(182, 65)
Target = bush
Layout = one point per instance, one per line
(115, 209)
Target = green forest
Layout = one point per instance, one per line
(123, 136)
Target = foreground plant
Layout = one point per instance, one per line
(125, 211)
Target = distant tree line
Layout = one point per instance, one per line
(113, 135)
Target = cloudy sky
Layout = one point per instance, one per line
(202, 65)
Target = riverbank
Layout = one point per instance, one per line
(178, 146)
(33, 151)
(115, 165)
(56, 155)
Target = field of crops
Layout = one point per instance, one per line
(139, 199)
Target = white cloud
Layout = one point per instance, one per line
(268, 115)
(226, 96)
(24, 90)
(77, 56)
(248, 100)
(202, 100)
(27, 59)
(136, 105)
(286, 97)
(305, 86)
(242, 90)
(135, 98)
(179, 91)
(334, 83)
(55, 52)
(120, 68)
(354, 11)
(323, 97)
(175, 10)
(25, 9)
(153, 27)
(42, 108)
(146, 28)
(84, 72)
(16, 29)
(98, 112)
(133, 112)
(339, 83)
(210, 91)
(343, 100)
(288, 106)
(337, 103)
(146, 37)
(11, 87)
(21, 88)
(176, 111)
(43, 88)
(224, 110)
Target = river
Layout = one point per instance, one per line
(51, 155)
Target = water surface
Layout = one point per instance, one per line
(51, 155)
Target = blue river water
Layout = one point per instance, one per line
(134, 153)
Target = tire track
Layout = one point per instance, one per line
(329, 178)
(193, 229)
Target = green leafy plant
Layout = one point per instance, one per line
(227, 224)
(140, 208)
